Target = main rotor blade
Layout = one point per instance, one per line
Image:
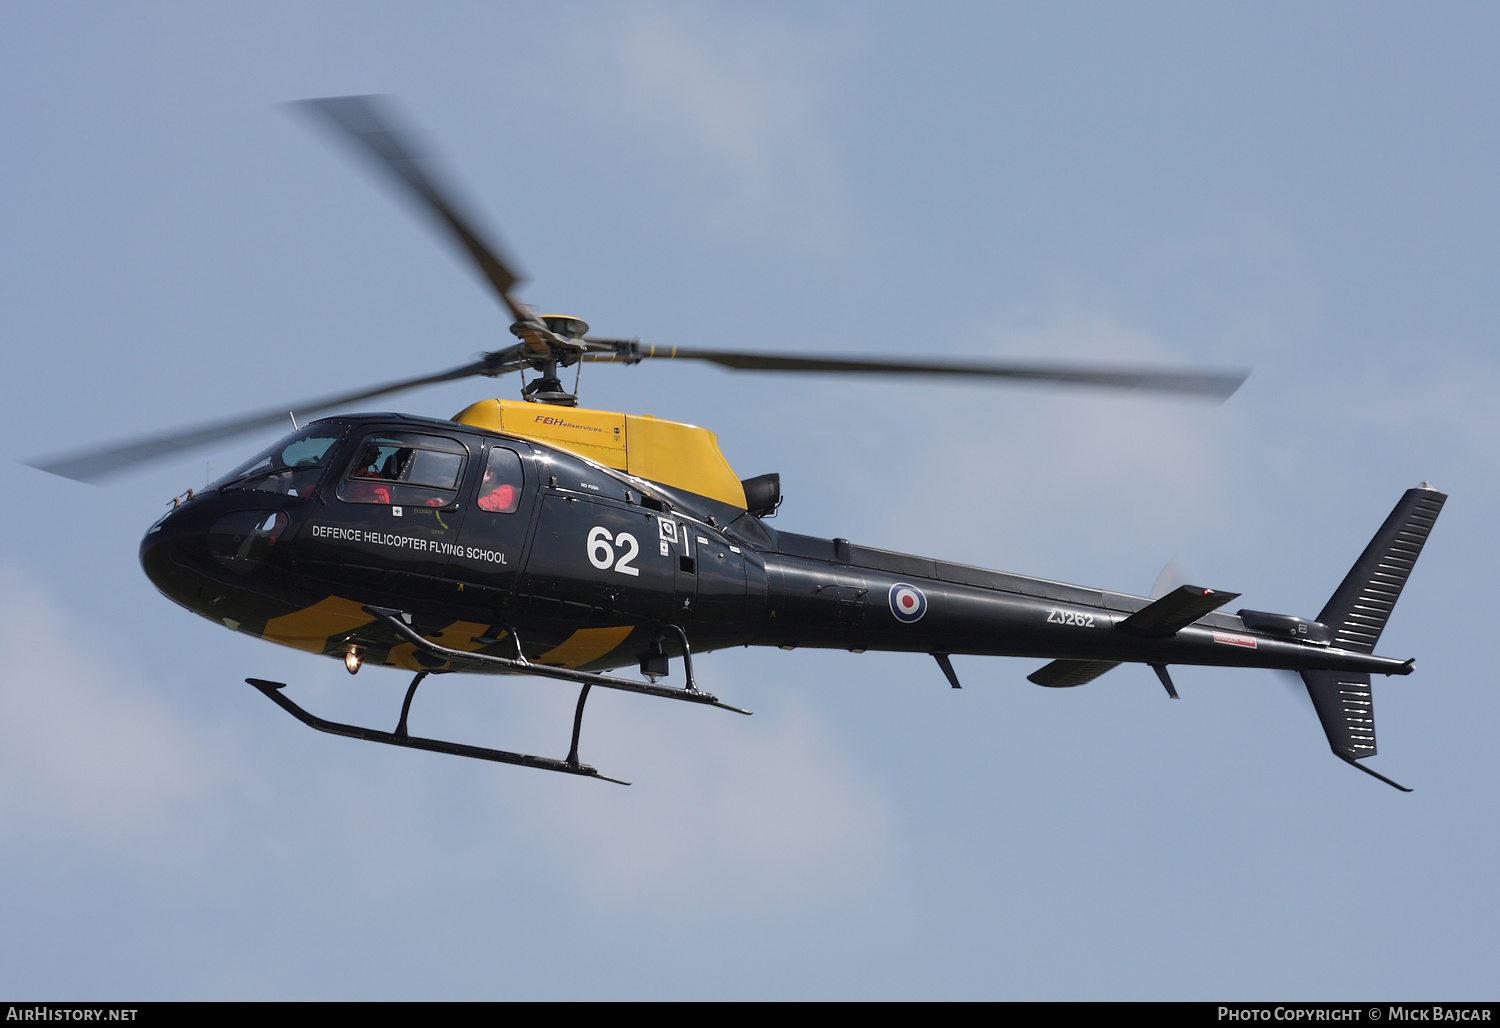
(1219, 385)
(367, 122)
(96, 464)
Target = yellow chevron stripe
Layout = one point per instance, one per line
(585, 645)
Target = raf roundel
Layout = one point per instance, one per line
(907, 602)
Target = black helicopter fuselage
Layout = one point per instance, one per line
(573, 564)
(537, 537)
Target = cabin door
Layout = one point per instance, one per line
(492, 539)
(391, 519)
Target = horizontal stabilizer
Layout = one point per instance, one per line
(1174, 611)
(1063, 674)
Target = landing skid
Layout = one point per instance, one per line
(416, 742)
(460, 659)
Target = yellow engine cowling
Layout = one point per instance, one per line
(676, 455)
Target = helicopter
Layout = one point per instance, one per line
(538, 537)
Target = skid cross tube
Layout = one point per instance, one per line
(406, 704)
(583, 696)
(687, 662)
(392, 619)
(400, 738)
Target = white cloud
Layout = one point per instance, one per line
(1037, 479)
(745, 94)
(749, 811)
(85, 748)
(1141, 442)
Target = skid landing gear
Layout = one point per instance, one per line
(400, 737)
(477, 661)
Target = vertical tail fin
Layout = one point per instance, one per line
(1346, 708)
(1357, 613)
(1359, 608)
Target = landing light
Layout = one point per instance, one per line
(353, 660)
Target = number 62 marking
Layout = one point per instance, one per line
(602, 555)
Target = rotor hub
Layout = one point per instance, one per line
(566, 325)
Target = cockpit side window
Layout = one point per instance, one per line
(500, 491)
(405, 468)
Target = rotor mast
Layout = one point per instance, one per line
(552, 341)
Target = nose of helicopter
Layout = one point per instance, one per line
(169, 551)
(208, 549)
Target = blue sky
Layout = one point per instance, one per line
(1304, 190)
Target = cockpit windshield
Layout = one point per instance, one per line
(292, 466)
